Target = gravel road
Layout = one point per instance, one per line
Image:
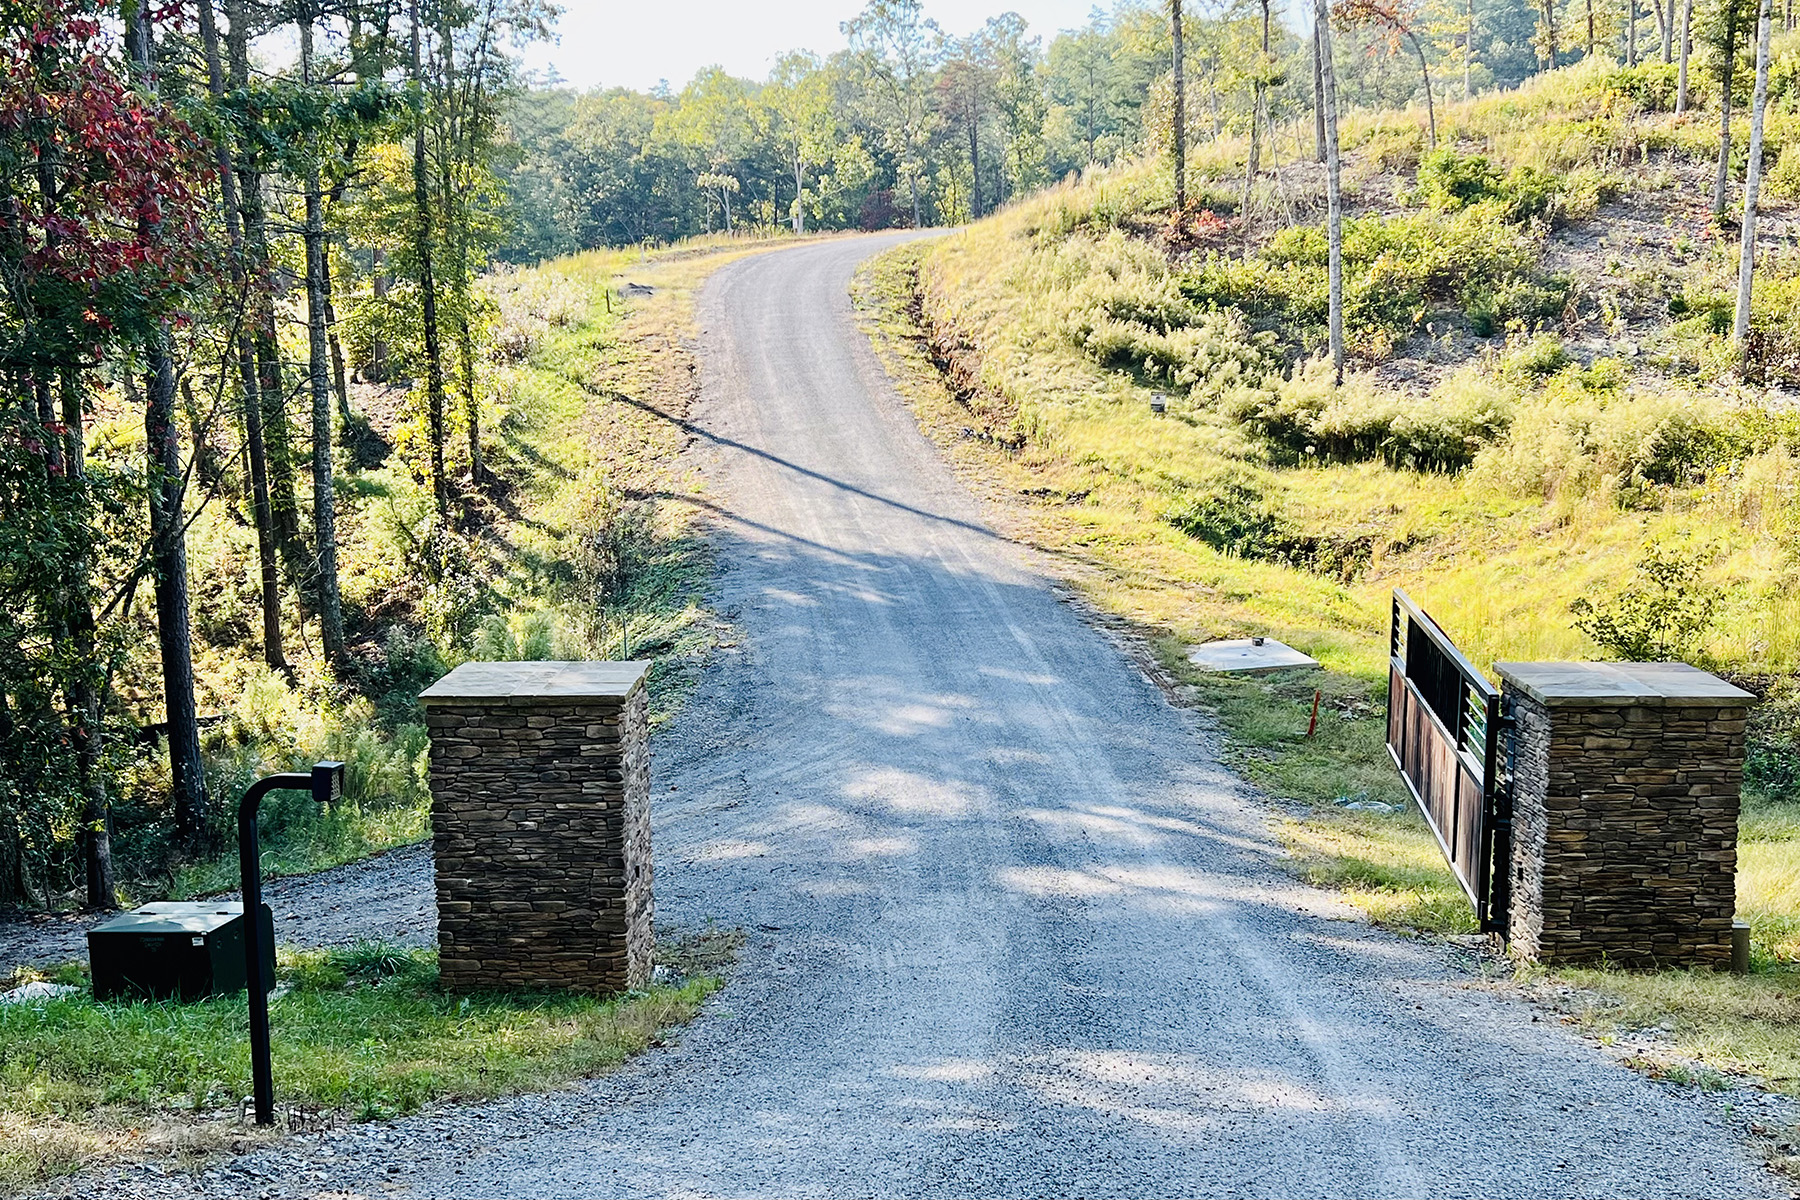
(1013, 929)
(388, 898)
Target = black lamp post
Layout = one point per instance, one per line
(325, 781)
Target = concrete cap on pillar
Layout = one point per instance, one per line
(1591, 684)
(529, 683)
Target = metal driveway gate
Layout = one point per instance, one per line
(1443, 732)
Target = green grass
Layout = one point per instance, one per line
(362, 1032)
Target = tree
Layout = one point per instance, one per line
(1397, 21)
(244, 350)
(1687, 40)
(327, 601)
(1178, 136)
(1740, 326)
(100, 241)
(1334, 206)
(168, 520)
(1723, 32)
(891, 41)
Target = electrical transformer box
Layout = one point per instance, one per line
(184, 950)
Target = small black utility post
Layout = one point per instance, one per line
(325, 781)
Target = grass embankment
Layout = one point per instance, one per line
(358, 1034)
(1542, 402)
(577, 545)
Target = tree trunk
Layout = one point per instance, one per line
(1425, 74)
(1319, 99)
(799, 196)
(340, 385)
(1590, 28)
(471, 405)
(1334, 208)
(1631, 15)
(1740, 326)
(168, 558)
(330, 609)
(254, 450)
(422, 247)
(1681, 72)
(378, 347)
(1469, 48)
(1550, 47)
(86, 725)
(1721, 179)
(1179, 133)
(974, 124)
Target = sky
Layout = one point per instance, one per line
(637, 43)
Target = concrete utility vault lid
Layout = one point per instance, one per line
(1570, 684)
(1244, 657)
(535, 682)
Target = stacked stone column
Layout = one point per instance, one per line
(540, 818)
(1625, 812)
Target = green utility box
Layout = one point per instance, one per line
(185, 950)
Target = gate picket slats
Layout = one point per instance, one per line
(1443, 722)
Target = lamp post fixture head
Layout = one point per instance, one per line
(327, 781)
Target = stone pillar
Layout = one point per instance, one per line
(1625, 812)
(540, 825)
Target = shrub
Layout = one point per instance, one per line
(1661, 614)
(1235, 518)
(1398, 272)
(1783, 179)
(1449, 181)
(1649, 86)
(1308, 417)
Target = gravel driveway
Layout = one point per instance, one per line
(386, 898)
(1014, 930)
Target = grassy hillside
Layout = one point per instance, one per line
(1544, 437)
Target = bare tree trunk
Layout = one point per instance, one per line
(378, 347)
(168, 557)
(1468, 48)
(799, 195)
(1721, 180)
(1687, 41)
(1319, 98)
(340, 385)
(1550, 46)
(87, 728)
(422, 245)
(1590, 28)
(974, 124)
(471, 404)
(1179, 133)
(1740, 325)
(1258, 103)
(330, 607)
(1425, 74)
(1334, 207)
(1631, 16)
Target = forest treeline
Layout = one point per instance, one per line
(228, 227)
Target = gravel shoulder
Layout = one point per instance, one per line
(1013, 929)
